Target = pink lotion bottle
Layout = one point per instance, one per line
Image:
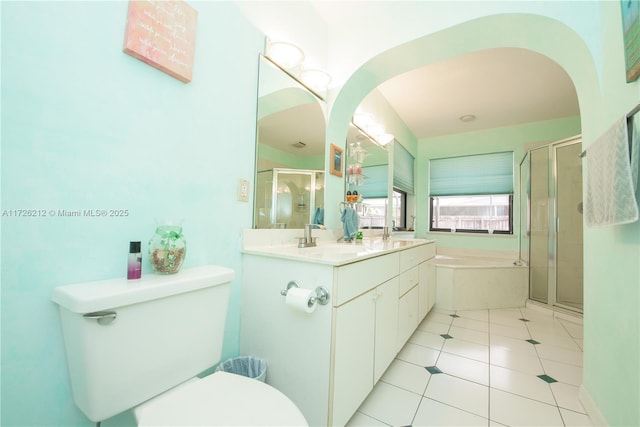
(134, 262)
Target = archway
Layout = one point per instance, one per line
(527, 31)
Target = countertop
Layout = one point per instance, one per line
(336, 254)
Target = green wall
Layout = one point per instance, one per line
(514, 138)
(611, 374)
(85, 126)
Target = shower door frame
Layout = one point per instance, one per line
(552, 222)
(555, 230)
(273, 215)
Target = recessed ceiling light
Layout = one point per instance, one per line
(467, 118)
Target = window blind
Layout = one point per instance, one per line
(375, 181)
(478, 174)
(402, 169)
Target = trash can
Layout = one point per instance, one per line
(247, 366)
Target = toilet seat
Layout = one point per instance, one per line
(221, 399)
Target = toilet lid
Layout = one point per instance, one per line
(221, 399)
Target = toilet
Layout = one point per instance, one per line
(141, 344)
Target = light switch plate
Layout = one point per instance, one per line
(243, 190)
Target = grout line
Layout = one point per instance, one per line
(489, 366)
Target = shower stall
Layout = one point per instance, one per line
(289, 198)
(551, 240)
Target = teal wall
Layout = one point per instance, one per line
(85, 126)
(612, 262)
(513, 138)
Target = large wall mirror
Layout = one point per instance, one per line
(367, 174)
(290, 137)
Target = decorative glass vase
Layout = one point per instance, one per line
(167, 248)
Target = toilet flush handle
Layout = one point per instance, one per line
(103, 317)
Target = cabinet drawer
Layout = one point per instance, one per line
(354, 279)
(414, 256)
(408, 279)
(411, 257)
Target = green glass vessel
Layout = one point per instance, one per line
(167, 248)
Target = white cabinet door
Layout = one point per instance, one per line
(425, 284)
(386, 332)
(353, 356)
(427, 287)
(431, 280)
(407, 316)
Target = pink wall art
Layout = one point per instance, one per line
(162, 33)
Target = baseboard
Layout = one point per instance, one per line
(557, 312)
(590, 406)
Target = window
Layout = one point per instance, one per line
(399, 209)
(472, 193)
(376, 208)
(472, 214)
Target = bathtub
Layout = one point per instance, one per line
(480, 282)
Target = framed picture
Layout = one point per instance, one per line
(631, 31)
(163, 35)
(336, 161)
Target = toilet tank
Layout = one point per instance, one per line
(129, 340)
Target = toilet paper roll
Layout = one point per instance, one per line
(299, 298)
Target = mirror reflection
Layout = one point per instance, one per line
(366, 178)
(290, 152)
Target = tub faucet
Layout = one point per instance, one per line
(307, 241)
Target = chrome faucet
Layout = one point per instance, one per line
(385, 233)
(307, 241)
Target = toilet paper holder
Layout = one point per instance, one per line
(322, 295)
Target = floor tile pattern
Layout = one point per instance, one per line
(506, 367)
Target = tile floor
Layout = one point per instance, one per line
(512, 367)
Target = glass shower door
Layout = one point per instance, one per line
(540, 243)
(569, 247)
(551, 185)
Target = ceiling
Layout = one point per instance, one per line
(500, 87)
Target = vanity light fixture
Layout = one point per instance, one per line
(289, 58)
(384, 138)
(287, 55)
(362, 120)
(317, 80)
(375, 130)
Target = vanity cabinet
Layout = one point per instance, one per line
(427, 285)
(328, 361)
(364, 345)
(417, 283)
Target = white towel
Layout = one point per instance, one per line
(635, 153)
(610, 189)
